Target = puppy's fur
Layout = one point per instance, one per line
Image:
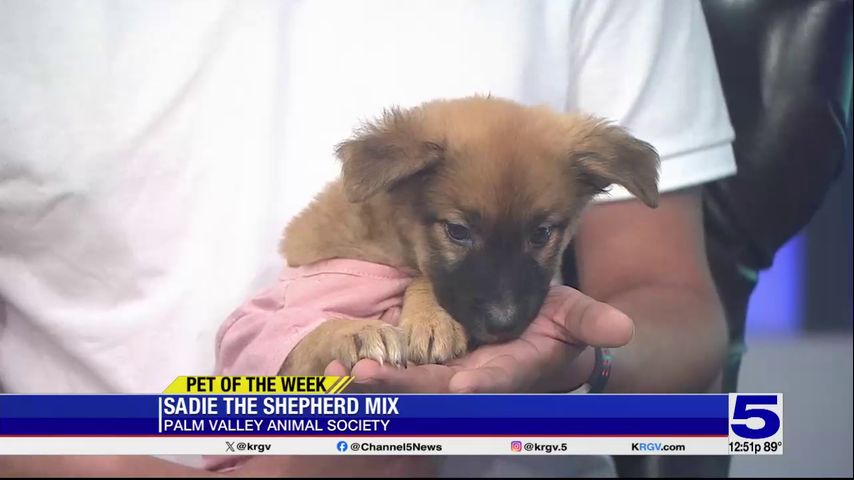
(481, 195)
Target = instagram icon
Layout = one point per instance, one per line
(516, 446)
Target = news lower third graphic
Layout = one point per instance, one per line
(314, 415)
(260, 385)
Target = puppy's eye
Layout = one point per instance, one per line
(458, 233)
(541, 236)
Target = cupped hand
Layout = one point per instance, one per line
(540, 360)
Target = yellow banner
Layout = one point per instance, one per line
(258, 385)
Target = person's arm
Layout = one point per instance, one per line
(652, 265)
(650, 67)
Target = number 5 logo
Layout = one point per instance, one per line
(750, 406)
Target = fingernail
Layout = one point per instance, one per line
(463, 389)
(364, 380)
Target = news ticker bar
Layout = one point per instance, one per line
(384, 446)
(736, 423)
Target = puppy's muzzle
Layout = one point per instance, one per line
(506, 317)
(501, 317)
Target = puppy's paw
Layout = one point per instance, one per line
(360, 339)
(433, 336)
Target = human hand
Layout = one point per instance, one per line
(542, 359)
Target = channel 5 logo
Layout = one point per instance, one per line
(756, 417)
(516, 446)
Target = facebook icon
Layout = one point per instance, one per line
(342, 446)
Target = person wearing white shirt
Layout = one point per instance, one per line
(152, 152)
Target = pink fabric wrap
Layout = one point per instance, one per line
(259, 335)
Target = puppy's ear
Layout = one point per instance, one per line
(606, 154)
(386, 152)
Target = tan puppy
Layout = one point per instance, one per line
(480, 195)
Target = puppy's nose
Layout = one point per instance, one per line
(501, 317)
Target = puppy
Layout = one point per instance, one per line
(481, 196)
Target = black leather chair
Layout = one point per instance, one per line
(786, 68)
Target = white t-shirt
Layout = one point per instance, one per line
(152, 152)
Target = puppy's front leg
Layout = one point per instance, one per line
(347, 341)
(433, 336)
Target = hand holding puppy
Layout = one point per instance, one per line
(543, 359)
